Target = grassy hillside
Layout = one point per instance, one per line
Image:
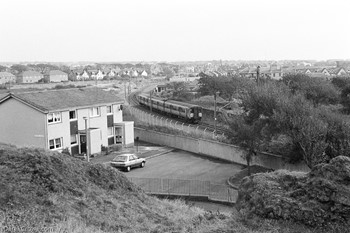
(42, 191)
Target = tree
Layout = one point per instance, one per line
(274, 110)
(168, 72)
(297, 118)
(228, 86)
(317, 90)
(248, 136)
(3, 68)
(341, 82)
(345, 99)
(19, 68)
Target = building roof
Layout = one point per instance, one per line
(48, 101)
(30, 73)
(57, 72)
(6, 74)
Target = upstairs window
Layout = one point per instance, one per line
(95, 111)
(54, 117)
(110, 131)
(109, 110)
(73, 139)
(72, 115)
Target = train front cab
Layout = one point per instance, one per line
(196, 114)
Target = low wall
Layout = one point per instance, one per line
(215, 149)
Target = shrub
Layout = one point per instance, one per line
(116, 147)
(66, 151)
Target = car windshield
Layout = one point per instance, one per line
(120, 158)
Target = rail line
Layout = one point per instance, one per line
(133, 101)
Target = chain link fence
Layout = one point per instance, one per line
(159, 121)
(196, 188)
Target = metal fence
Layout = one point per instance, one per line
(153, 120)
(195, 188)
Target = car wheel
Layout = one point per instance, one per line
(127, 169)
(142, 164)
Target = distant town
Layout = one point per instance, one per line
(22, 73)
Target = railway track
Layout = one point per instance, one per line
(133, 101)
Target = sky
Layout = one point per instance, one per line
(176, 30)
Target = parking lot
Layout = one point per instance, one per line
(179, 164)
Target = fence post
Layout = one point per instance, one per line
(209, 190)
(168, 187)
(182, 127)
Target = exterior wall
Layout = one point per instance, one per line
(99, 75)
(117, 113)
(85, 75)
(95, 140)
(99, 122)
(58, 78)
(31, 79)
(21, 125)
(7, 79)
(60, 130)
(128, 133)
(19, 79)
(217, 150)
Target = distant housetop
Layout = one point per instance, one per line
(46, 101)
(56, 72)
(30, 73)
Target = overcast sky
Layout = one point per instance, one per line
(176, 30)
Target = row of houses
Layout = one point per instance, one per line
(277, 73)
(33, 77)
(86, 74)
(74, 119)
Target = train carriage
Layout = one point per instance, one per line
(190, 112)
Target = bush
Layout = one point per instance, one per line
(116, 147)
(66, 151)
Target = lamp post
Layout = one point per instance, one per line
(216, 93)
(150, 100)
(87, 139)
(258, 75)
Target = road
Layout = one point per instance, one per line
(185, 165)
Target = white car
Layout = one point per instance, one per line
(128, 161)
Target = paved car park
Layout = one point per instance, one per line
(179, 164)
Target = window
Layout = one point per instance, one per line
(72, 115)
(95, 111)
(109, 110)
(110, 131)
(55, 143)
(54, 117)
(73, 139)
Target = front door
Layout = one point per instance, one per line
(83, 144)
(118, 135)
